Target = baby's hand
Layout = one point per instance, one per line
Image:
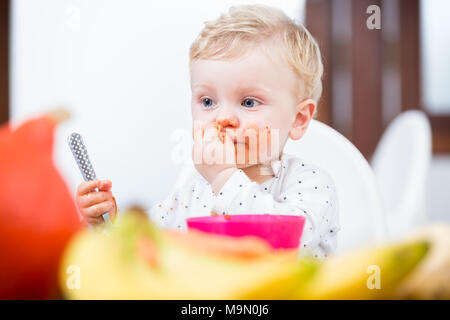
(213, 153)
(92, 204)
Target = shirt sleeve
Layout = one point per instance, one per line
(173, 211)
(307, 192)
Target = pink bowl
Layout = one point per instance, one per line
(280, 231)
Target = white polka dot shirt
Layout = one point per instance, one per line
(297, 188)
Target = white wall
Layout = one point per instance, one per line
(435, 30)
(436, 94)
(439, 189)
(121, 68)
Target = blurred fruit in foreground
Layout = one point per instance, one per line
(37, 212)
(431, 279)
(367, 274)
(135, 260)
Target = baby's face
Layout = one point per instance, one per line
(247, 92)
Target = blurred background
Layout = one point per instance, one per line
(121, 68)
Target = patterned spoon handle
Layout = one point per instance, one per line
(80, 154)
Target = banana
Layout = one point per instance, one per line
(431, 279)
(372, 273)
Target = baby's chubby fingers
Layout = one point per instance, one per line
(86, 187)
(211, 135)
(104, 185)
(95, 221)
(113, 211)
(93, 198)
(97, 210)
(89, 186)
(229, 149)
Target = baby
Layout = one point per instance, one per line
(255, 81)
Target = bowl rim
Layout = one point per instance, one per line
(228, 218)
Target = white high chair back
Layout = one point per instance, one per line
(401, 163)
(360, 211)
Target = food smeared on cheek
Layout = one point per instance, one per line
(258, 133)
(253, 142)
(251, 134)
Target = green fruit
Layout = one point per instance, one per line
(366, 274)
(431, 279)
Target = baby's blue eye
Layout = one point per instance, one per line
(249, 103)
(207, 103)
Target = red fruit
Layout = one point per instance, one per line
(37, 211)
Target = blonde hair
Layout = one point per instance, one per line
(234, 32)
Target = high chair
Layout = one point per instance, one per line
(401, 164)
(361, 214)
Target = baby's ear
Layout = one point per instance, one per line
(303, 115)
